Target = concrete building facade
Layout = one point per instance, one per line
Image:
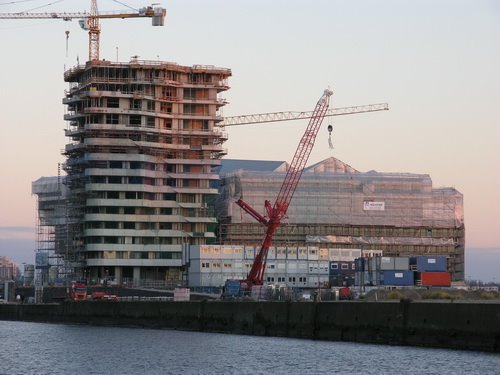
(143, 145)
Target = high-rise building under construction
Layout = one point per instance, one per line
(143, 144)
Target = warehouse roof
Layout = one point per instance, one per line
(232, 165)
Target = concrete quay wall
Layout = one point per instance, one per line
(455, 325)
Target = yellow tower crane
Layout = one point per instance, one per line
(90, 21)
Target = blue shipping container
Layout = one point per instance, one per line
(399, 278)
(334, 268)
(232, 288)
(359, 264)
(425, 263)
(341, 268)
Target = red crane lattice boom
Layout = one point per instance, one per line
(277, 212)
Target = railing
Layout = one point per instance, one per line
(154, 284)
(144, 298)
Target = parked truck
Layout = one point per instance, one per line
(78, 291)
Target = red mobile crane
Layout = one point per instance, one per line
(277, 212)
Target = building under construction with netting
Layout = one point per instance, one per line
(336, 206)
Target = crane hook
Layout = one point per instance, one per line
(67, 37)
(330, 129)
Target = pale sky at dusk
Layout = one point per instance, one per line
(435, 62)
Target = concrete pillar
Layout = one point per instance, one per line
(118, 275)
(137, 275)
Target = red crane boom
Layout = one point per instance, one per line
(277, 212)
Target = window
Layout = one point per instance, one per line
(112, 210)
(115, 164)
(98, 179)
(149, 181)
(165, 225)
(165, 211)
(150, 122)
(135, 120)
(113, 119)
(135, 180)
(128, 225)
(135, 104)
(129, 210)
(149, 196)
(113, 103)
(114, 179)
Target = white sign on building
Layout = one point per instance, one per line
(373, 206)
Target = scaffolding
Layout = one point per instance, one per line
(336, 206)
(142, 144)
(57, 259)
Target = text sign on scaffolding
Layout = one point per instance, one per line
(373, 206)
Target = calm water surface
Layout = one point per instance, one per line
(37, 348)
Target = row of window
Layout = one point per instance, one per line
(150, 225)
(149, 74)
(147, 166)
(139, 180)
(133, 255)
(126, 240)
(282, 279)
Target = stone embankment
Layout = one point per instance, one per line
(445, 324)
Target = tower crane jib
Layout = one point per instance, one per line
(90, 20)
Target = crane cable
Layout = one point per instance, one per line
(42, 6)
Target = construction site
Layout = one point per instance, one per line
(148, 199)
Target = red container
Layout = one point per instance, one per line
(435, 278)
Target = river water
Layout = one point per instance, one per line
(38, 348)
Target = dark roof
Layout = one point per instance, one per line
(231, 165)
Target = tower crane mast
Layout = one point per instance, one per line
(90, 20)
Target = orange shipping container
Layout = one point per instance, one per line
(435, 278)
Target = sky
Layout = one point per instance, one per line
(436, 63)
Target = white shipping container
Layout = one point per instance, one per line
(385, 263)
(402, 263)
